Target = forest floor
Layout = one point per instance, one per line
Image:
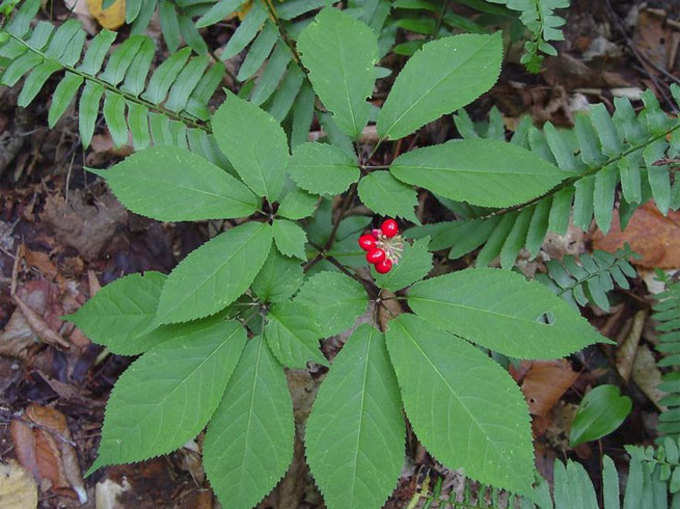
(63, 236)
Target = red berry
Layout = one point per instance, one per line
(375, 255)
(390, 228)
(367, 242)
(384, 266)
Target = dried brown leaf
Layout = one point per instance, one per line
(39, 326)
(655, 237)
(627, 349)
(544, 384)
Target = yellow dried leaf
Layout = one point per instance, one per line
(17, 488)
(112, 18)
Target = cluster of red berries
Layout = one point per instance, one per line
(383, 246)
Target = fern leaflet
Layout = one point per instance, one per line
(667, 315)
(590, 280)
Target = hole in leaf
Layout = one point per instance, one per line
(546, 318)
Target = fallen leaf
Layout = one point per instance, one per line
(544, 384)
(42, 262)
(87, 228)
(39, 326)
(112, 17)
(44, 446)
(652, 38)
(654, 236)
(24, 446)
(17, 335)
(17, 487)
(627, 349)
(647, 375)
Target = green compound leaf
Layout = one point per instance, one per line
(503, 311)
(441, 77)
(333, 301)
(464, 407)
(254, 143)
(168, 395)
(249, 442)
(340, 53)
(172, 184)
(322, 169)
(385, 195)
(297, 204)
(214, 275)
(292, 337)
(279, 278)
(601, 411)
(414, 265)
(120, 313)
(290, 238)
(483, 172)
(355, 434)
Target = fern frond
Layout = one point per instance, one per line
(622, 156)
(171, 108)
(539, 17)
(589, 278)
(653, 481)
(667, 315)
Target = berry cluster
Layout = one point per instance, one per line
(383, 246)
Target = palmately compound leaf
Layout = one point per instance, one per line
(279, 278)
(290, 238)
(254, 143)
(120, 313)
(249, 443)
(354, 437)
(172, 184)
(503, 311)
(340, 53)
(464, 407)
(385, 195)
(415, 263)
(322, 169)
(483, 172)
(333, 301)
(168, 395)
(292, 337)
(214, 275)
(441, 77)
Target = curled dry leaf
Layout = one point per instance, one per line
(44, 446)
(654, 236)
(17, 487)
(39, 326)
(627, 349)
